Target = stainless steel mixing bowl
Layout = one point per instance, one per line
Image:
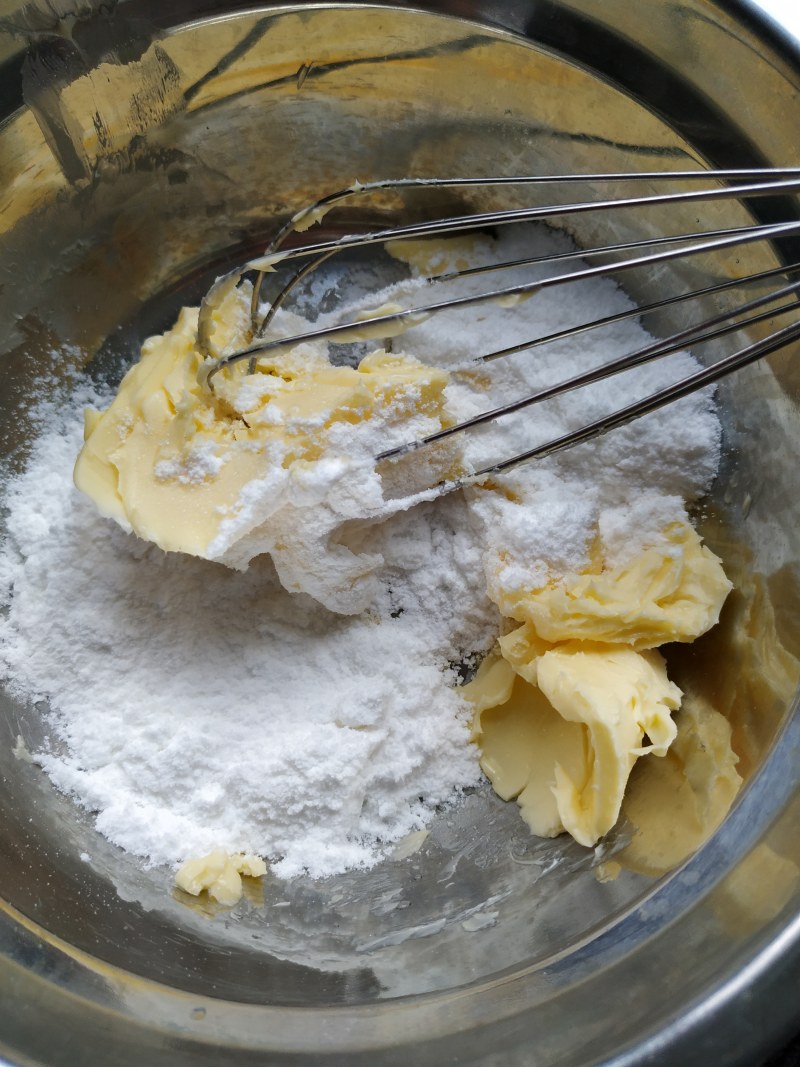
(144, 146)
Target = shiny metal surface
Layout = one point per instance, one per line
(160, 144)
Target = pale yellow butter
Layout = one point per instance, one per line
(671, 592)
(564, 749)
(681, 799)
(219, 874)
(249, 467)
(444, 256)
(562, 717)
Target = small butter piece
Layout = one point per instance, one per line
(444, 256)
(617, 695)
(564, 749)
(409, 845)
(219, 874)
(671, 592)
(251, 866)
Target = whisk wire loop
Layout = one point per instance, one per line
(396, 322)
(600, 261)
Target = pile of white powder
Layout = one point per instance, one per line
(194, 707)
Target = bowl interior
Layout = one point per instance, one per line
(126, 187)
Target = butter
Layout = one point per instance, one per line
(673, 591)
(429, 259)
(676, 803)
(578, 693)
(564, 748)
(271, 462)
(219, 874)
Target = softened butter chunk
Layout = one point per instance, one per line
(673, 591)
(564, 748)
(272, 462)
(219, 874)
(579, 694)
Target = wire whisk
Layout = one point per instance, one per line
(779, 303)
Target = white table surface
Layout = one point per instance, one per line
(787, 12)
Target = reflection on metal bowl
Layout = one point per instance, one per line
(152, 146)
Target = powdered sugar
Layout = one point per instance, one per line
(201, 463)
(201, 707)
